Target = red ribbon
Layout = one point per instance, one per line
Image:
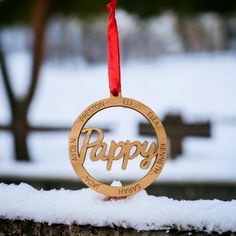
(113, 51)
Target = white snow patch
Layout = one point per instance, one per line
(141, 211)
(116, 183)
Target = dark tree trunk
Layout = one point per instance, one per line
(20, 131)
(20, 143)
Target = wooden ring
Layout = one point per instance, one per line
(77, 162)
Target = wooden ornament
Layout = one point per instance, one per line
(99, 148)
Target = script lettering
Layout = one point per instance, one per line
(118, 150)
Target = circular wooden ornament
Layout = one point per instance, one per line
(77, 162)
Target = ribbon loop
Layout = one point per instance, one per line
(113, 51)
(112, 6)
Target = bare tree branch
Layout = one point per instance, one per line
(40, 15)
(6, 79)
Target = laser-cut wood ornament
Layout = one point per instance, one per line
(156, 150)
(154, 154)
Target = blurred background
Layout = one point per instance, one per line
(177, 57)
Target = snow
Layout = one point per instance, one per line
(200, 86)
(116, 183)
(141, 211)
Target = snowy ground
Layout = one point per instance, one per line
(86, 207)
(200, 86)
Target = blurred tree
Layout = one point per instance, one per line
(20, 107)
